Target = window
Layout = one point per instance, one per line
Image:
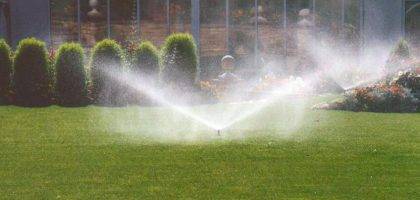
(213, 35)
(153, 24)
(64, 27)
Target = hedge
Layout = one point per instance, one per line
(180, 61)
(146, 59)
(32, 74)
(5, 72)
(71, 80)
(107, 57)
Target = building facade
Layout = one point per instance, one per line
(240, 27)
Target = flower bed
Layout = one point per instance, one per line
(400, 94)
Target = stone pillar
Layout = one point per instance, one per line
(30, 19)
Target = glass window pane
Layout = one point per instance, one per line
(351, 29)
(293, 8)
(124, 21)
(328, 16)
(272, 37)
(213, 35)
(242, 35)
(300, 20)
(153, 21)
(412, 25)
(94, 24)
(180, 16)
(64, 26)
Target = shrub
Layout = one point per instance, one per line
(32, 74)
(399, 55)
(146, 59)
(5, 71)
(402, 50)
(145, 63)
(408, 80)
(71, 75)
(377, 98)
(180, 62)
(107, 56)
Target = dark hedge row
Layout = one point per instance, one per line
(71, 85)
(34, 77)
(180, 61)
(5, 72)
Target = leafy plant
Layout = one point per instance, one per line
(107, 59)
(32, 74)
(180, 61)
(146, 59)
(5, 72)
(146, 65)
(398, 57)
(379, 98)
(402, 50)
(71, 75)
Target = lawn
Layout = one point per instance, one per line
(280, 153)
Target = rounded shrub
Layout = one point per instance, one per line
(106, 60)
(32, 74)
(145, 64)
(180, 61)
(71, 87)
(5, 71)
(401, 50)
(146, 59)
(399, 55)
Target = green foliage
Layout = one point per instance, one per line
(402, 50)
(71, 75)
(180, 61)
(107, 58)
(399, 55)
(5, 71)
(146, 59)
(145, 63)
(32, 74)
(378, 98)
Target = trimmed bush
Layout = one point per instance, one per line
(402, 50)
(107, 56)
(5, 72)
(71, 75)
(399, 55)
(180, 61)
(32, 74)
(146, 59)
(145, 64)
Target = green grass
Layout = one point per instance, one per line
(79, 153)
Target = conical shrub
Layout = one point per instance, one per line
(71, 82)
(145, 66)
(5, 72)
(401, 50)
(146, 59)
(107, 59)
(399, 55)
(32, 74)
(180, 61)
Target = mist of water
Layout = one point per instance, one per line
(349, 68)
(219, 117)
